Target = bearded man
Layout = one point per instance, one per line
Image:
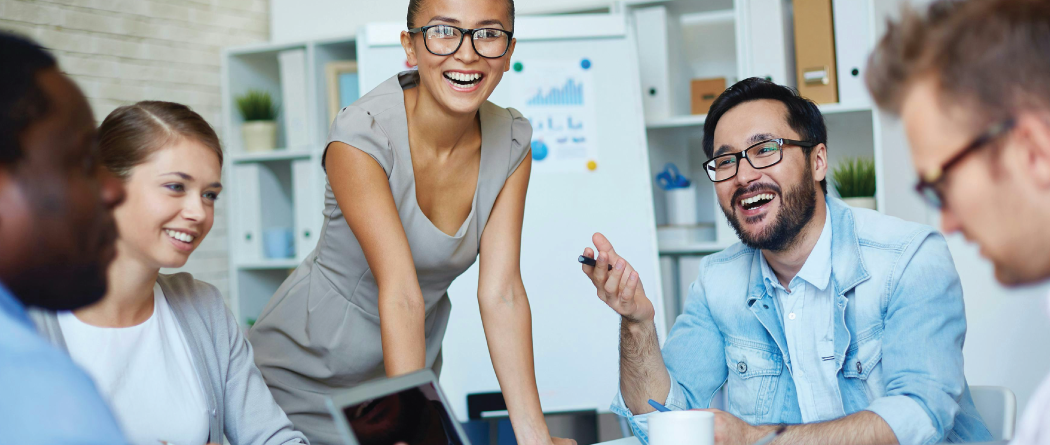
(845, 324)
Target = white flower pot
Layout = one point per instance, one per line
(861, 203)
(259, 135)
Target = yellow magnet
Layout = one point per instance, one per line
(592, 165)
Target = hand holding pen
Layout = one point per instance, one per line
(617, 283)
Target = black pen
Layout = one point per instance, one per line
(589, 261)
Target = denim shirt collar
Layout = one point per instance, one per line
(817, 268)
(10, 306)
(847, 267)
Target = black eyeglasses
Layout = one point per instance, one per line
(931, 182)
(443, 40)
(764, 154)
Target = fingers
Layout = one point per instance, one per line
(604, 246)
(589, 254)
(601, 268)
(629, 287)
(612, 283)
(622, 285)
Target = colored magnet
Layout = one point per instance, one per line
(518, 67)
(592, 165)
(539, 150)
(586, 64)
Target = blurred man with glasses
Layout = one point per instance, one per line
(844, 323)
(971, 80)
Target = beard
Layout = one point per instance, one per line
(797, 208)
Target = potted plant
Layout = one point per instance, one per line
(260, 120)
(855, 181)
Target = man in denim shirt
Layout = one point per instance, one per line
(975, 100)
(844, 323)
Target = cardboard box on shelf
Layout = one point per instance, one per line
(704, 92)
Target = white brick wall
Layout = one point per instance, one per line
(124, 51)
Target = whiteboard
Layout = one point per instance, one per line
(575, 335)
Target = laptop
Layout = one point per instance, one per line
(408, 409)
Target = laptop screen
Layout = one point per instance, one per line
(412, 416)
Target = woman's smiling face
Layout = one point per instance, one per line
(170, 205)
(463, 80)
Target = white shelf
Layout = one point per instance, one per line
(727, 16)
(276, 155)
(692, 248)
(289, 263)
(680, 240)
(695, 120)
(838, 108)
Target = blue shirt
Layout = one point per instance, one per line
(44, 397)
(806, 309)
(898, 328)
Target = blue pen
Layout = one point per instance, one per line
(658, 406)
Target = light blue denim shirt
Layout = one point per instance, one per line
(807, 311)
(899, 326)
(44, 397)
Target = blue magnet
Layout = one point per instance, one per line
(539, 150)
(586, 64)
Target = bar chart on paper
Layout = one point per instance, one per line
(569, 94)
(557, 99)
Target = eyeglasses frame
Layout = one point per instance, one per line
(930, 182)
(463, 34)
(781, 142)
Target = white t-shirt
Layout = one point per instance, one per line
(1034, 428)
(146, 374)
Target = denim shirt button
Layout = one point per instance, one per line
(741, 367)
(860, 369)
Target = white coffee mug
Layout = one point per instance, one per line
(682, 428)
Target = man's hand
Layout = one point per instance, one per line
(730, 430)
(560, 441)
(620, 288)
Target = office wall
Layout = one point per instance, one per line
(311, 19)
(124, 51)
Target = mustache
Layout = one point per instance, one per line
(755, 188)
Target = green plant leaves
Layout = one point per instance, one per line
(855, 178)
(257, 105)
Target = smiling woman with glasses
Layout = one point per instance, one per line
(425, 177)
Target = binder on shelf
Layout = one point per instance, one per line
(815, 51)
(246, 227)
(309, 206)
(654, 63)
(853, 43)
(767, 33)
(293, 98)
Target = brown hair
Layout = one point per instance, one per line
(415, 5)
(130, 134)
(991, 55)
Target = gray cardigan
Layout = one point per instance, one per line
(240, 404)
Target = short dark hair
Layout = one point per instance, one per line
(21, 100)
(803, 115)
(415, 5)
(992, 56)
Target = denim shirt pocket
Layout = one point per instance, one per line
(862, 368)
(752, 380)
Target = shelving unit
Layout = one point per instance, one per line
(279, 190)
(680, 40)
